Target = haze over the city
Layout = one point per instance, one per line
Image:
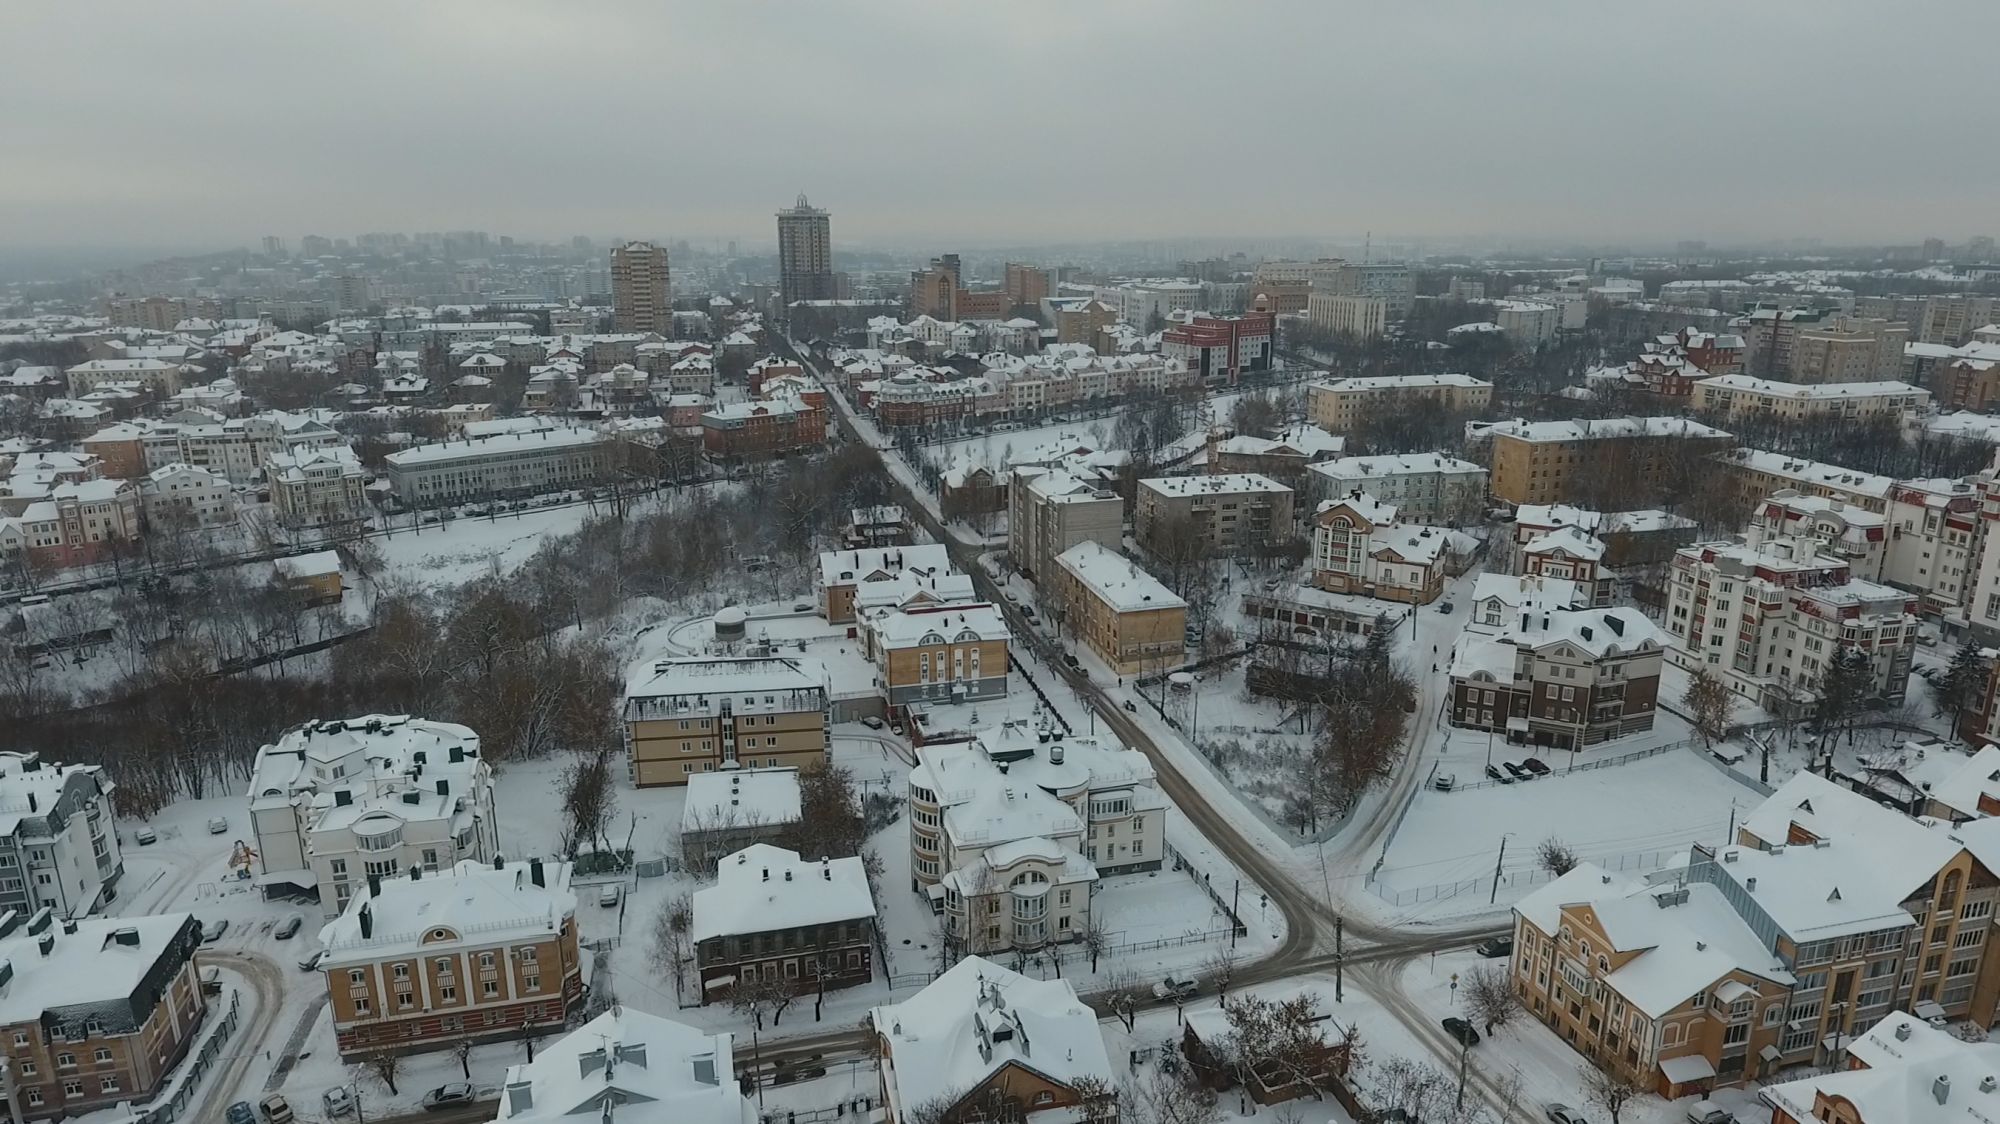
(152, 126)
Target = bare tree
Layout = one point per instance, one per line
(1172, 1098)
(385, 1065)
(1220, 965)
(671, 948)
(588, 803)
(1275, 1044)
(1489, 996)
(1124, 994)
(756, 996)
(462, 1050)
(1097, 1101)
(1092, 935)
(830, 819)
(1609, 1091)
(1709, 704)
(1555, 856)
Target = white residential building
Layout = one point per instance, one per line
(662, 1069)
(511, 464)
(1768, 616)
(857, 582)
(317, 486)
(335, 802)
(1011, 831)
(1428, 487)
(59, 849)
(1359, 546)
(1527, 324)
(1933, 539)
(1735, 396)
(185, 497)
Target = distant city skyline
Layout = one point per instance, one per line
(1457, 121)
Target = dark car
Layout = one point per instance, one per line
(1445, 607)
(1492, 948)
(1519, 773)
(241, 1113)
(1536, 766)
(1494, 772)
(289, 927)
(1460, 1029)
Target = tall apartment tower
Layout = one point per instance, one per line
(640, 296)
(805, 254)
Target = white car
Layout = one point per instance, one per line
(609, 895)
(217, 825)
(337, 1101)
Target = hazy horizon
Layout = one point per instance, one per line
(155, 128)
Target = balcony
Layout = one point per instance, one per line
(378, 833)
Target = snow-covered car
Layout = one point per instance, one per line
(1562, 1114)
(217, 825)
(1495, 772)
(873, 722)
(1444, 782)
(1708, 1112)
(609, 895)
(1176, 987)
(337, 1101)
(289, 927)
(145, 837)
(276, 1109)
(211, 931)
(310, 963)
(449, 1096)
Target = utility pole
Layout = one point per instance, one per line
(1235, 918)
(1339, 956)
(1501, 858)
(1463, 1051)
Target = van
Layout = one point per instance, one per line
(1708, 1112)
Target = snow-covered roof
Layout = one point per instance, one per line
(473, 903)
(697, 683)
(1404, 382)
(1804, 391)
(978, 1018)
(1365, 506)
(663, 1069)
(108, 960)
(1906, 1071)
(764, 888)
(499, 444)
(1569, 540)
(1523, 592)
(741, 798)
(1600, 429)
(1812, 472)
(1226, 483)
(1115, 579)
(336, 773)
(1392, 464)
(927, 624)
(317, 564)
(879, 563)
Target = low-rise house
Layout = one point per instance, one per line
(184, 497)
(58, 844)
(1283, 457)
(498, 466)
(983, 1043)
(1124, 614)
(97, 1012)
(939, 653)
(314, 577)
(856, 582)
(701, 714)
(1565, 678)
(1500, 600)
(1360, 547)
(318, 486)
(662, 1069)
(884, 525)
(726, 812)
(1570, 555)
(480, 950)
(334, 803)
(773, 918)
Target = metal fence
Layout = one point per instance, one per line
(1585, 765)
(1444, 891)
(1201, 879)
(168, 1105)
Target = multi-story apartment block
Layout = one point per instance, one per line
(1390, 282)
(858, 582)
(758, 430)
(1903, 1070)
(159, 314)
(1850, 349)
(1423, 486)
(1079, 320)
(237, 449)
(1567, 678)
(1728, 397)
(502, 465)
(1771, 336)
(1025, 284)
(1962, 378)
(1758, 474)
(333, 803)
(700, 714)
(805, 255)
(1120, 611)
(1050, 511)
(77, 525)
(60, 849)
(774, 917)
(1526, 324)
(1342, 405)
(94, 1013)
(1768, 616)
(1283, 456)
(641, 292)
(1856, 536)
(1222, 349)
(1568, 461)
(627, 1057)
(1933, 533)
(1011, 831)
(477, 951)
(1359, 547)
(317, 487)
(1239, 514)
(960, 1048)
(1951, 319)
(1570, 554)
(939, 653)
(159, 378)
(185, 497)
(1364, 318)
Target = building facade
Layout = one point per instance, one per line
(1734, 396)
(500, 466)
(1124, 614)
(938, 653)
(1571, 461)
(1239, 515)
(778, 919)
(701, 714)
(1423, 486)
(60, 850)
(1050, 510)
(641, 292)
(805, 255)
(1561, 678)
(1342, 405)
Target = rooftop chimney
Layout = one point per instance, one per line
(1750, 884)
(46, 943)
(1941, 1088)
(1902, 1032)
(367, 917)
(499, 863)
(535, 872)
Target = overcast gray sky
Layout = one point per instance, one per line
(129, 123)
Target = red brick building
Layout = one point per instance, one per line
(762, 429)
(1223, 348)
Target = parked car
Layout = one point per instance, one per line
(609, 895)
(1460, 1029)
(1492, 948)
(1708, 1112)
(337, 1101)
(1445, 607)
(1562, 1114)
(1495, 772)
(1444, 782)
(896, 728)
(289, 927)
(240, 1113)
(145, 837)
(211, 931)
(448, 1096)
(1536, 766)
(1520, 774)
(276, 1109)
(873, 722)
(1176, 987)
(217, 825)
(1130, 707)
(802, 606)
(310, 962)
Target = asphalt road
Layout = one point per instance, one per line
(248, 1045)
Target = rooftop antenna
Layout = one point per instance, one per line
(1367, 246)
